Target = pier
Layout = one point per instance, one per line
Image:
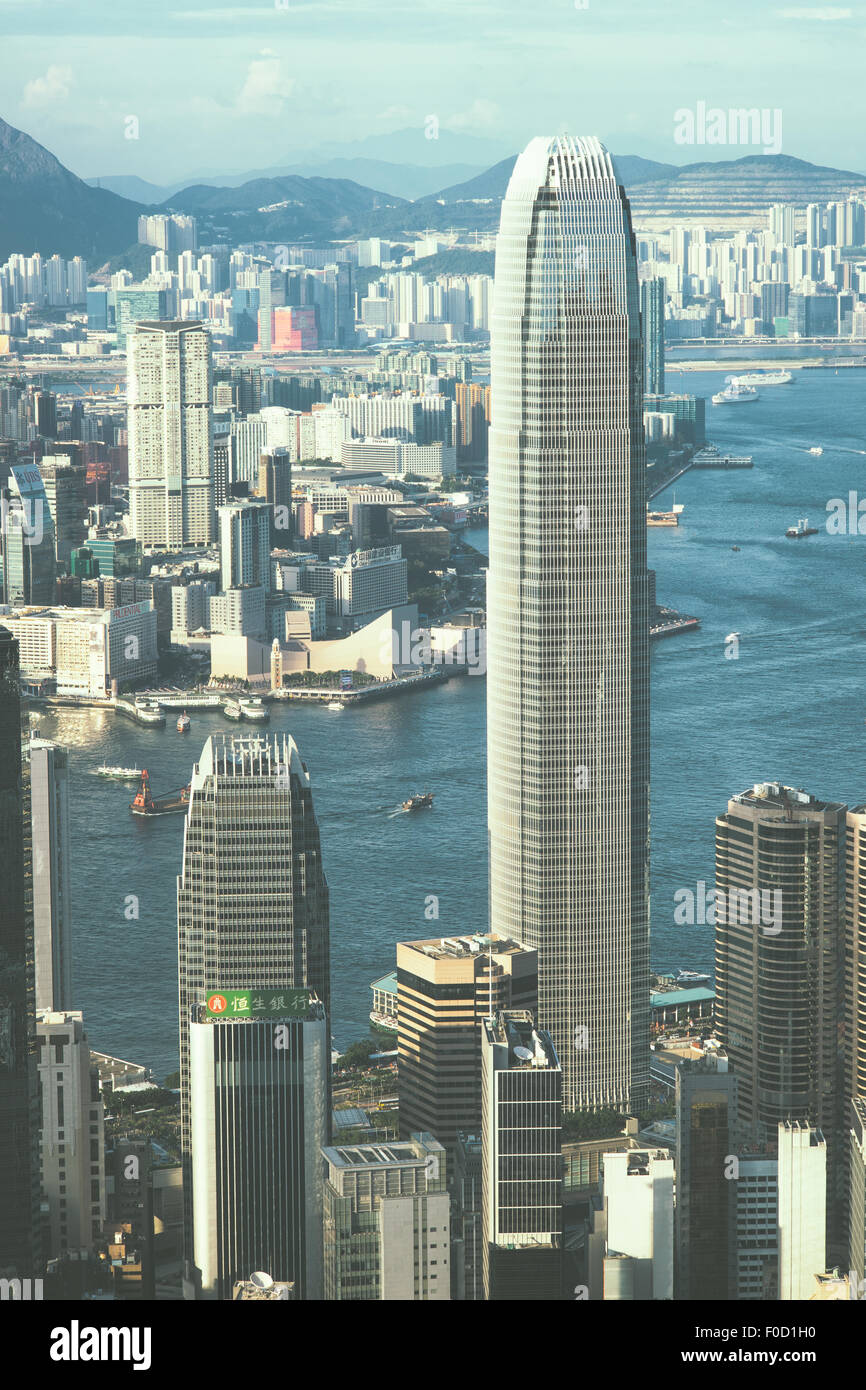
(152, 718)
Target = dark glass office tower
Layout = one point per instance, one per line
(568, 664)
(652, 308)
(20, 1251)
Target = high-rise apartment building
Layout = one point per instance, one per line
(52, 906)
(857, 1191)
(275, 487)
(258, 1116)
(20, 1244)
(252, 900)
(802, 1208)
(567, 634)
(706, 1093)
(780, 868)
(73, 1134)
(387, 1222)
(445, 988)
(521, 1136)
(170, 468)
(754, 1245)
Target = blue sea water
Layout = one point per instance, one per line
(791, 707)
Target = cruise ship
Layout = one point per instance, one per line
(765, 379)
(735, 393)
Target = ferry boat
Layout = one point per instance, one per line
(421, 801)
(255, 711)
(796, 533)
(232, 710)
(336, 704)
(184, 723)
(121, 774)
(146, 805)
(735, 393)
(765, 378)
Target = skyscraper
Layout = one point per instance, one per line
(802, 1208)
(20, 1250)
(252, 900)
(652, 309)
(52, 908)
(706, 1095)
(65, 485)
(521, 1137)
(780, 862)
(26, 539)
(567, 686)
(245, 544)
(170, 451)
(258, 1111)
(445, 987)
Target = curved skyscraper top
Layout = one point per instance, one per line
(568, 632)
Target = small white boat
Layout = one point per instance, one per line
(816, 449)
(336, 704)
(184, 723)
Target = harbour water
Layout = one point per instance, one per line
(790, 707)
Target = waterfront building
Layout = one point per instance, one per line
(20, 1242)
(387, 1222)
(252, 900)
(706, 1097)
(688, 414)
(170, 451)
(259, 1062)
(802, 1208)
(87, 651)
(568, 725)
(521, 1136)
(72, 1145)
(445, 988)
(52, 906)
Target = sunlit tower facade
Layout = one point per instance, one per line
(568, 660)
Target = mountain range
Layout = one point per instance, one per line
(45, 207)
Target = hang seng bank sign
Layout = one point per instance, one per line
(245, 1003)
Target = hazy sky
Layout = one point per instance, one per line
(234, 86)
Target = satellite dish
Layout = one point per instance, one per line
(523, 1053)
(260, 1280)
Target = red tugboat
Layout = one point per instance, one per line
(147, 805)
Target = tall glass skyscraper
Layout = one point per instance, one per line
(568, 672)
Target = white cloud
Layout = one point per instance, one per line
(265, 89)
(826, 14)
(482, 116)
(54, 86)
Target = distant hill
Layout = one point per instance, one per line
(292, 207)
(402, 180)
(44, 207)
(724, 191)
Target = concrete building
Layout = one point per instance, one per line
(445, 988)
(754, 1247)
(857, 1190)
(802, 1208)
(245, 544)
(259, 1063)
(706, 1098)
(252, 900)
(73, 1134)
(521, 1135)
(387, 1222)
(52, 905)
(568, 736)
(85, 651)
(239, 613)
(638, 1194)
(171, 498)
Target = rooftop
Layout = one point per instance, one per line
(461, 947)
(777, 796)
